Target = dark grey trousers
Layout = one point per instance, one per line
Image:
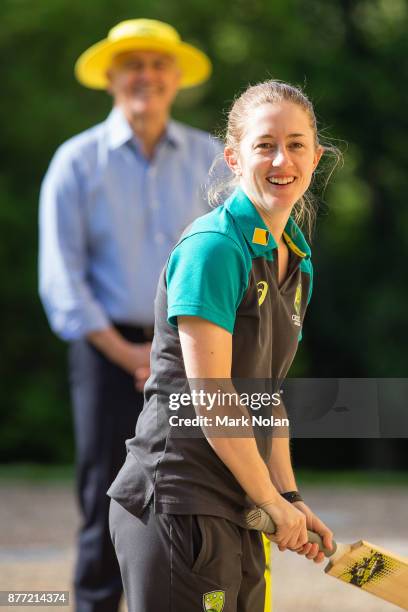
(105, 409)
(184, 563)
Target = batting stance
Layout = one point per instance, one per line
(230, 306)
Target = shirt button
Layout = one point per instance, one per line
(159, 238)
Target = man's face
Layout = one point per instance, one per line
(144, 82)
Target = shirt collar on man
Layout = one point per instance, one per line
(256, 232)
(174, 133)
(120, 132)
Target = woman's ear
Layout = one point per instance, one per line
(232, 161)
(317, 157)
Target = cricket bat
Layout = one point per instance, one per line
(362, 564)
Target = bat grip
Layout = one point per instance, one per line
(314, 537)
(260, 520)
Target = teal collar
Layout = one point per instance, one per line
(255, 231)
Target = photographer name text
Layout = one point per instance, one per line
(225, 421)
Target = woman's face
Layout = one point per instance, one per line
(277, 156)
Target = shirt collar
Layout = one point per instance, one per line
(120, 132)
(255, 231)
(174, 133)
(296, 240)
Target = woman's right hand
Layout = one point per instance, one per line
(290, 524)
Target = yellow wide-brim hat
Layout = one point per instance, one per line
(141, 35)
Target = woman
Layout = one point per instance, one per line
(230, 307)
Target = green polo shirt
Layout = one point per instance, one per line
(224, 269)
(210, 269)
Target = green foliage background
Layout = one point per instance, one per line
(352, 56)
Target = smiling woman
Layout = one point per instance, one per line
(272, 129)
(229, 310)
(275, 159)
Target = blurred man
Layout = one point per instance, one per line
(113, 202)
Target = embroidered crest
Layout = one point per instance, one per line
(214, 601)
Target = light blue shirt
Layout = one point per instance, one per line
(109, 218)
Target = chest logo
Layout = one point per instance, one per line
(298, 298)
(214, 601)
(262, 291)
(297, 303)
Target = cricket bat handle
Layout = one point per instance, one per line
(261, 521)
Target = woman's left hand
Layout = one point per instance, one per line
(313, 523)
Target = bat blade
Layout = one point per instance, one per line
(372, 569)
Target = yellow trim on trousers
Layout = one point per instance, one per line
(268, 576)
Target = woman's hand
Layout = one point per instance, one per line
(313, 523)
(290, 524)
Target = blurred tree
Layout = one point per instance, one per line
(352, 56)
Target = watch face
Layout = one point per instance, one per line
(292, 496)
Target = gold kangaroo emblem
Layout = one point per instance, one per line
(262, 291)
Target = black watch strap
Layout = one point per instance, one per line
(292, 496)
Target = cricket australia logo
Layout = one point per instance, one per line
(297, 303)
(262, 291)
(214, 601)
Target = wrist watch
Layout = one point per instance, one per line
(292, 496)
